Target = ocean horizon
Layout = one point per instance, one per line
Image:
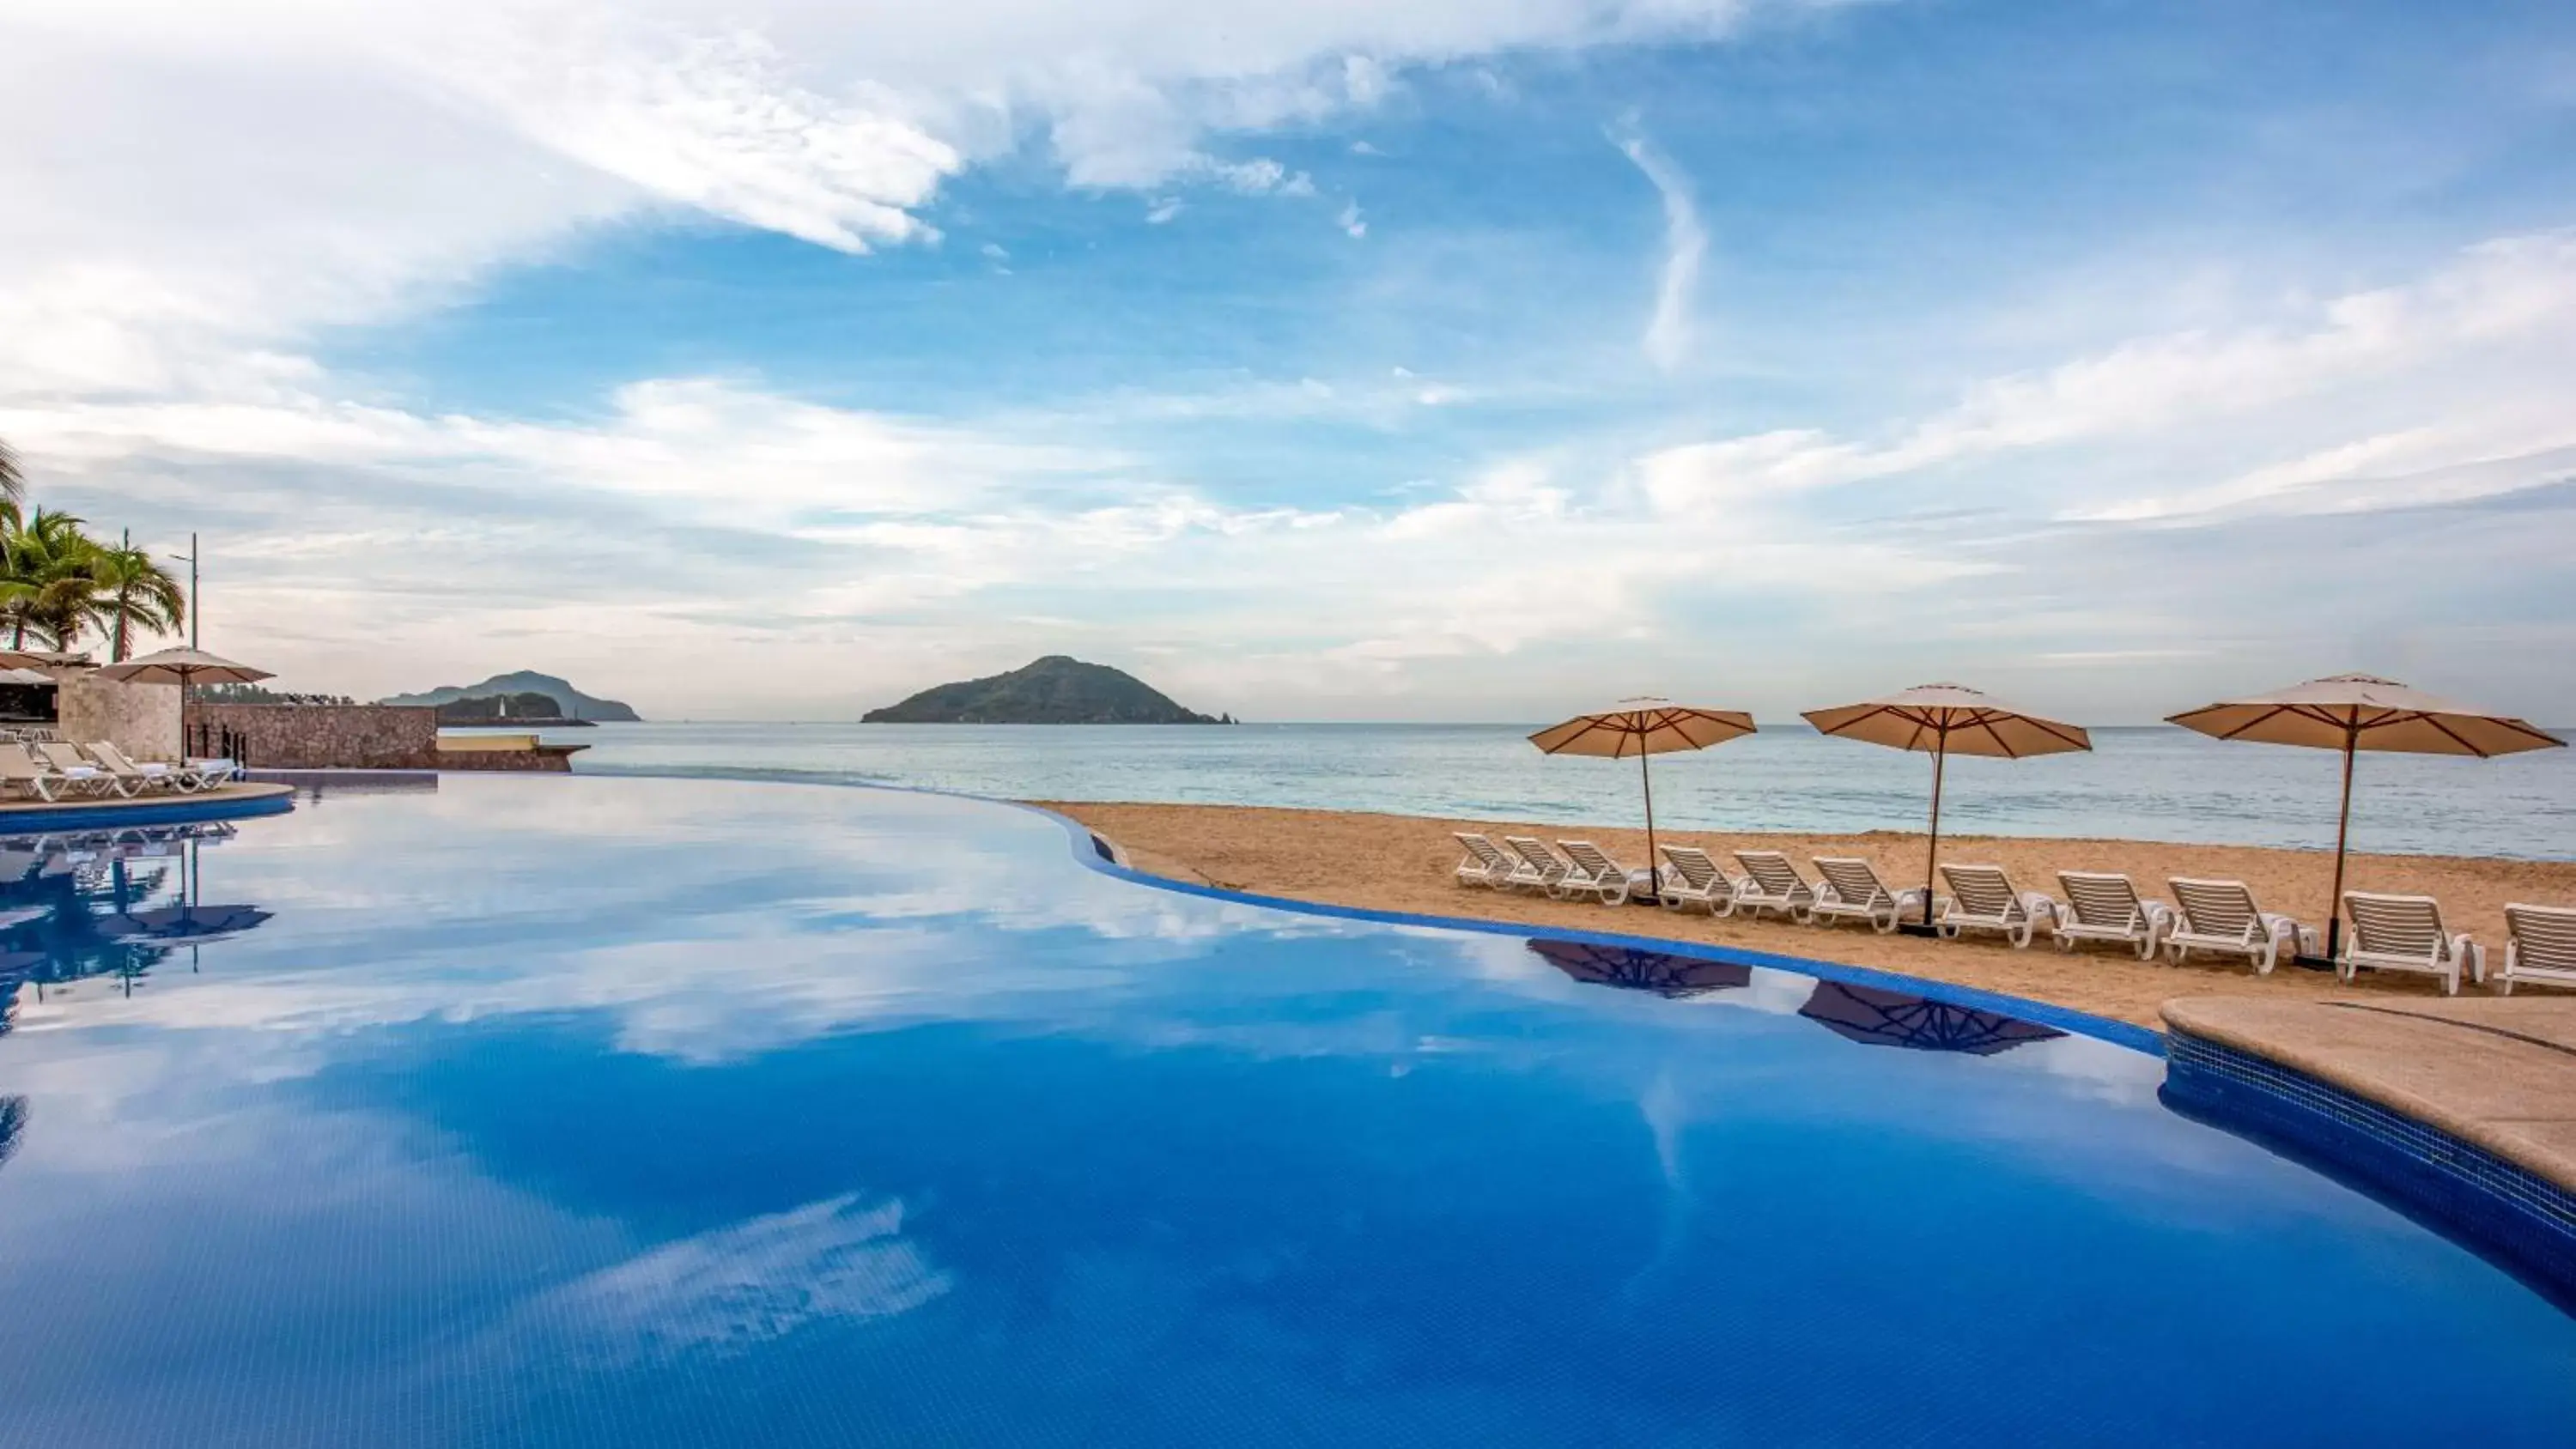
(2141, 782)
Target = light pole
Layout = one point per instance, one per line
(191, 557)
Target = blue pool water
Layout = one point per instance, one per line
(609, 1112)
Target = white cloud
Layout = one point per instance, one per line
(1351, 222)
(711, 120)
(735, 1287)
(190, 185)
(891, 543)
(1668, 331)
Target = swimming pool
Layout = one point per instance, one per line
(627, 1111)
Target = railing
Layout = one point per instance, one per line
(207, 741)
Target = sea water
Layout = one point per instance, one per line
(2153, 783)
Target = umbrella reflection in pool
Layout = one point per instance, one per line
(1634, 970)
(1890, 1018)
(183, 923)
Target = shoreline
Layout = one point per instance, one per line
(1403, 863)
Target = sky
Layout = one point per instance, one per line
(1354, 359)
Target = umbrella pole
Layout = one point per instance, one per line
(1932, 853)
(1654, 873)
(2343, 832)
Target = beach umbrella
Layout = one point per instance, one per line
(2357, 712)
(1630, 969)
(183, 667)
(1642, 727)
(44, 659)
(1944, 720)
(1873, 1017)
(19, 674)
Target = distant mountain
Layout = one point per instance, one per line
(1054, 690)
(483, 709)
(573, 703)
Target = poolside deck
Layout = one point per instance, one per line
(2499, 1073)
(47, 815)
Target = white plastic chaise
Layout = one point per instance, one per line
(1540, 868)
(1593, 873)
(1982, 898)
(1484, 864)
(1691, 878)
(77, 773)
(2220, 915)
(2540, 945)
(1771, 883)
(23, 771)
(2404, 933)
(2104, 906)
(1853, 892)
(142, 776)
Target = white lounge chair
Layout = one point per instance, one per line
(2220, 915)
(1771, 883)
(141, 778)
(1484, 863)
(2404, 933)
(220, 770)
(1853, 892)
(75, 774)
(22, 771)
(1540, 869)
(1593, 874)
(1691, 878)
(2104, 906)
(1982, 898)
(2540, 945)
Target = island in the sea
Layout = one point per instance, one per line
(1053, 690)
(503, 698)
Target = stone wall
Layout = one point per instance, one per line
(317, 736)
(531, 757)
(140, 719)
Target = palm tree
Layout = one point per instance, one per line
(132, 591)
(13, 487)
(45, 582)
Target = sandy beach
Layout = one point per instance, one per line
(1403, 863)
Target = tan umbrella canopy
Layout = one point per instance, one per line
(15, 674)
(1643, 727)
(40, 658)
(183, 667)
(2357, 712)
(1942, 720)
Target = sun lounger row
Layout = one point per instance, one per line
(1525, 863)
(2218, 917)
(54, 770)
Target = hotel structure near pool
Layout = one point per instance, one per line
(627, 1111)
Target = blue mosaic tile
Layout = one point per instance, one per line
(2520, 1219)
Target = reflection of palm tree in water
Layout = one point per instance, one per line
(13, 1126)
